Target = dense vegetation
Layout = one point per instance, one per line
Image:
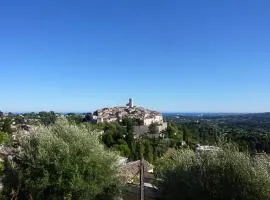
(62, 161)
(224, 175)
(59, 157)
(119, 136)
(250, 131)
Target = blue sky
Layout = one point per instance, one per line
(203, 56)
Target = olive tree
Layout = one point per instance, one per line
(224, 175)
(65, 161)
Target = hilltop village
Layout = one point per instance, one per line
(113, 133)
(140, 139)
(145, 117)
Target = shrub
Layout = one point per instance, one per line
(226, 175)
(65, 161)
(5, 138)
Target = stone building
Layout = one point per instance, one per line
(146, 116)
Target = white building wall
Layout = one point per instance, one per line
(148, 121)
(156, 119)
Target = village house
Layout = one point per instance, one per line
(146, 116)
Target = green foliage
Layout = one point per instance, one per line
(172, 130)
(123, 150)
(250, 131)
(10, 181)
(148, 151)
(153, 129)
(31, 115)
(175, 134)
(2, 167)
(66, 161)
(226, 175)
(119, 136)
(162, 146)
(186, 135)
(1, 115)
(7, 126)
(47, 118)
(108, 139)
(74, 118)
(5, 138)
(141, 149)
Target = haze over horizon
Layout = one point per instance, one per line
(170, 56)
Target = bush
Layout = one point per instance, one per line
(65, 161)
(226, 175)
(5, 138)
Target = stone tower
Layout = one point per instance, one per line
(130, 103)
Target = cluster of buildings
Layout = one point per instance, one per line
(146, 117)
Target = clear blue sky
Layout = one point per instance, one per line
(205, 56)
